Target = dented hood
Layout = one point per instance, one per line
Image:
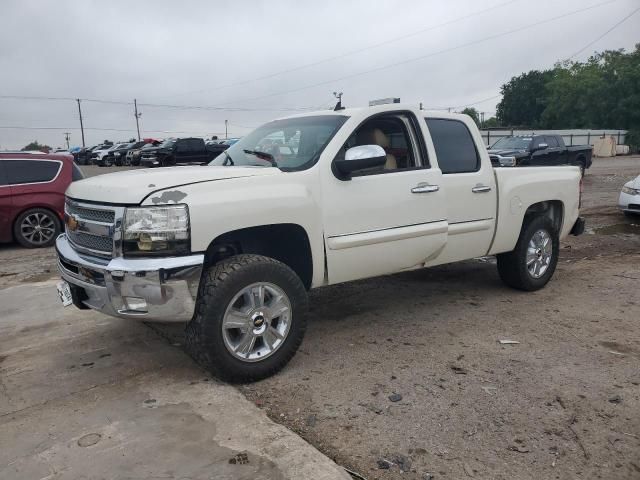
(132, 186)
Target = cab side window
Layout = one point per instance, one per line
(455, 148)
(552, 142)
(391, 132)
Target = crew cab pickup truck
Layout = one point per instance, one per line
(179, 151)
(233, 247)
(542, 150)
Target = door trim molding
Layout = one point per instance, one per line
(392, 234)
(470, 226)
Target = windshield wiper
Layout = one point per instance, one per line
(263, 156)
(228, 160)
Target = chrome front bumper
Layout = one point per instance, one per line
(149, 289)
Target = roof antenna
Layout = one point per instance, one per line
(338, 106)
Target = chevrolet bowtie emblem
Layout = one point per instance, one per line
(72, 223)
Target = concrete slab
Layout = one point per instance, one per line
(86, 396)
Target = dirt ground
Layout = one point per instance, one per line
(563, 403)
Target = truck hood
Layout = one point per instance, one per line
(132, 186)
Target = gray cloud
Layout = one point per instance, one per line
(180, 53)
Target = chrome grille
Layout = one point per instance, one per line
(92, 242)
(90, 229)
(91, 214)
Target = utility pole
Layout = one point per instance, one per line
(81, 126)
(449, 109)
(226, 124)
(137, 115)
(481, 119)
(67, 136)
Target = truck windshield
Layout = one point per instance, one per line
(512, 143)
(291, 144)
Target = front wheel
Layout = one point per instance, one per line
(531, 264)
(249, 319)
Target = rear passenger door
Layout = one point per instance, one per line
(469, 188)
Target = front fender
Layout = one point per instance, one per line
(220, 207)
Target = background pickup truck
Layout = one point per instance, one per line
(233, 247)
(543, 150)
(180, 151)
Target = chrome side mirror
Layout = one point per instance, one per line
(359, 158)
(541, 146)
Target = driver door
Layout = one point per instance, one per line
(388, 219)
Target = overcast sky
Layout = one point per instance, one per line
(261, 59)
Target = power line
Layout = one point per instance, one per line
(432, 54)
(346, 54)
(155, 105)
(620, 22)
(20, 127)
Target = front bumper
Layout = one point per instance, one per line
(629, 203)
(149, 289)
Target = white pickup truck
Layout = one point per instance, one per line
(301, 202)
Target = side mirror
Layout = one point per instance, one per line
(541, 146)
(359, 158)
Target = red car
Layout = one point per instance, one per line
(32, 187)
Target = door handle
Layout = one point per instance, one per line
(481, 189)
(425, 188)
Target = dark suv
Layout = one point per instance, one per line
(178, 151)
(32, 190)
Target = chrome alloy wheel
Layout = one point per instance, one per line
(539, 252)
(256, 322)
(37, 228)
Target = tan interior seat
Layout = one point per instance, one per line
(375, 136)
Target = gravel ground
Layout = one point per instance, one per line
(404, 377)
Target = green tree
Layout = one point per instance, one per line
(473, 113)
(524, 98)
(491, 122)
(36, 146)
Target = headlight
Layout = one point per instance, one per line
(162, 230)
(630, 191)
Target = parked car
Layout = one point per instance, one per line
(117, 156)
(104, 158)
(98, 152)
(32, 190)
(133, 156)
(629, 200)
(364, 192)
(180, 151)
(537, 150)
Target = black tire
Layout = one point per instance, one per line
(219, 285)
(50, 227)
(512, 266)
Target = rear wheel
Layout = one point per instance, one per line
(249, 319)
(532, 263)
(36, 228)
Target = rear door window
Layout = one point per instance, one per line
(455, 148)
(20, 172)
(3, 176)
(552, 142)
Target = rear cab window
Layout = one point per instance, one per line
(20, 172)
(455, 149)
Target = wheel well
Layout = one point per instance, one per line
(286, 242)
(554, 209)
